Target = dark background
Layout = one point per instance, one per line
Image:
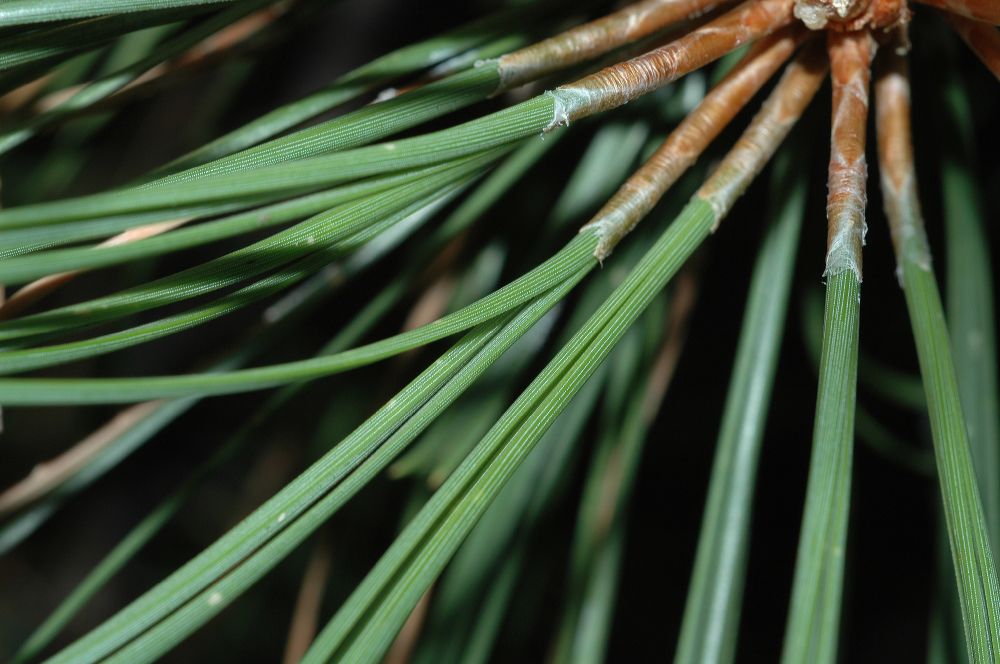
(891, 568)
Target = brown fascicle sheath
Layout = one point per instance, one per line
(590, 40)
(644, 188)
(621, 83)
(895, 155)
(755, 147)
(984, 40)
(850, 69)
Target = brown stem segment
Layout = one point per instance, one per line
(983, 39)
(305, 618)
(683, 298)
(402, 649)
(987, 11)
(972, 553)
(590, 40)
(895, 158)
(850, 64)
(38, 289)
(621, 83)
(50, 475)
(783, 108)
(204, 52)
(643, 190)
